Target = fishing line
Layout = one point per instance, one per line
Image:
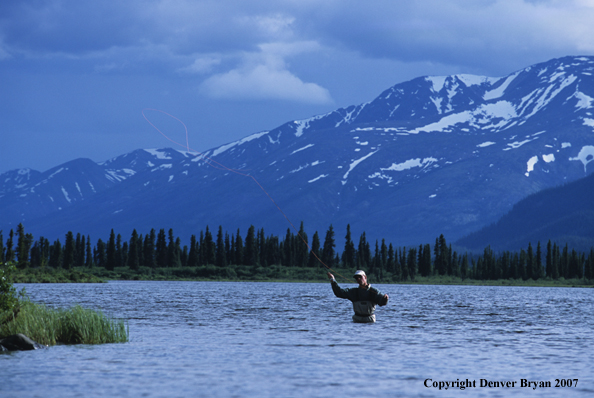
(221, 166)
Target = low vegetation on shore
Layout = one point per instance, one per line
(51, 326)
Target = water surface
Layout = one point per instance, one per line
(211, 339)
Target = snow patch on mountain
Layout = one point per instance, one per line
(318, 178)
(584, 101)
(66, 194)
(159, 154)
(409, 164)
(549, 158)
(530, 165)
(301, 149)
(224, 148)
(355, 164)
(499, 91)
(586, 155)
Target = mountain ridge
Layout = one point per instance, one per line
(432, 155)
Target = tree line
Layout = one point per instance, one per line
(383, 262)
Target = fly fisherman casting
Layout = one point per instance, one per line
(364, 297)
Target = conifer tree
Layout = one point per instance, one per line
(193, 255)
(250, 251)
(100, 256)
(403, 267)
(80, 250)
(148, 249)
(464, 267)
(384, 255)
(564, 265)
(111, 252)
(288, 250)
(171, 255)
(55, 260)
(363, 252)
(69, 251)
(89, 258)
(221, 256)
(119, 253)
(549, 261)
(348, 255)
(238, 249)
(390, 261)
(556, 261)
(161, 249)
(24, 243)
(301, 247)
(537, 272)
(273, 256)
(208, 248)
(411, 263)
(133, 260)
(176, 254)
(314, 254)
(328, 248)
(9, 254)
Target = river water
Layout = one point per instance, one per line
(225, 339)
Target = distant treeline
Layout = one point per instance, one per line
(383, 261)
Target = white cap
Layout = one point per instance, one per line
(360, 272)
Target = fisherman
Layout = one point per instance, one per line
(364, 297)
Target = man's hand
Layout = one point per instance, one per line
(330, 276)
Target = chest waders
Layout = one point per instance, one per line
(364, 311)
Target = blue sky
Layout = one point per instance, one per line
(76, 75)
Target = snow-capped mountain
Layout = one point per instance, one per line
(429, 156)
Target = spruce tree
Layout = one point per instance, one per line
(89, 257)
(250, 250)
(208, 248)
(161, 249)
(314, 254)
(9, 254)
(111, 252)
(24, 243)
(238, 249)
(411, 263)
(55, 260)
(100, 256)
(328, 248)
(193, 255)
(348, 255)
(221, 256)
(133, 260)
(148, 249)
(69, 251)
(301, 247)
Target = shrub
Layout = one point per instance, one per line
(8, 294)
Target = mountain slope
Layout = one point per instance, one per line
(429, 156)
(563, 214)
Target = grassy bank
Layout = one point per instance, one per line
(53, 275)
(52, 326)
(49, 326)
(276, 273)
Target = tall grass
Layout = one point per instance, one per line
(76, 325)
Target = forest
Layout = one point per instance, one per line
(257, 256)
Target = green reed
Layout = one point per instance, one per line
(76, 325)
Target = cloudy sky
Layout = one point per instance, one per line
(76, 75)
